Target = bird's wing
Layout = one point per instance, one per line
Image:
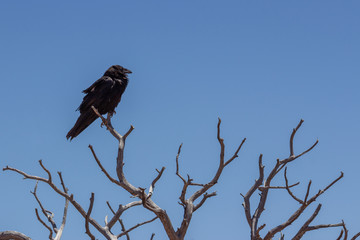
(96, 93)
(94, 85)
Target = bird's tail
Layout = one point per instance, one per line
(85, 119)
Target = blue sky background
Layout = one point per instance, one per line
(259, 65)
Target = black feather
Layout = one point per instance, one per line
(104, 94)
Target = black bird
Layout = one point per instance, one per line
(104, 95)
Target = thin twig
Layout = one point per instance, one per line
(44, 211)
(188, 204)
(307, 192)
(278, 187)
(87, 217)
(236, 152)
(300, 210)
(107, 124)
(47, 171)
(43, 223)
(124, 230)
(152, 186)
(264, 189)
(205, 196)
(177, 164)
(136, 226)
(356, 236)
(340, 235)
(251, 191)
(292, 137)
(61, 229)
(120, 211)
(102, 168)
(288, 189)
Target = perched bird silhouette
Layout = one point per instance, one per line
(104, 95)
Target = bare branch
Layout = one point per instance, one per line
(278, 187)
(44, 224)
(136, 226)
(215, 179)
(251, 191)
(26, 176)
(187, 182)
(115, 213)
(257, 234)
(177, 165)
(152, 186)
(49, 215)
(356, 236)
(128, 132)
(114, 218)
(45, 212)
(345, 230)
(264, 189)
(288, 189)
(61, 229)
(67, 196)
(120, 210)
(107, 123)
(146, 198)
(62, 182)
(308, 150)
(188, 204)
(292, 137)
(152, 236)
(292, 156)
(307, 192)
(341, 233)
(87, 217)
(310, 228)
(205, 196)
(236, 152)
(13, 235)
(102, 168)
(47, 171)
(325, 189)
(282, 236)
(123, 229)
(134, 191)
(305, 227)
(301, 209)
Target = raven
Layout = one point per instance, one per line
(104, 95)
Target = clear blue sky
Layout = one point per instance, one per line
(259, 65)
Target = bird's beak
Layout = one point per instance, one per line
(128, 71)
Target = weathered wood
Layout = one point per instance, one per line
(13, 235)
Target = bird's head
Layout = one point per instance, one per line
(117, 71)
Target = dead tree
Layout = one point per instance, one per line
(104, 230)
(13, 235)
(190, 204)
(49, 215)
(263, 186)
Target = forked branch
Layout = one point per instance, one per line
(189, 206)
(263, 185)
(49, 215)
(105, 231)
